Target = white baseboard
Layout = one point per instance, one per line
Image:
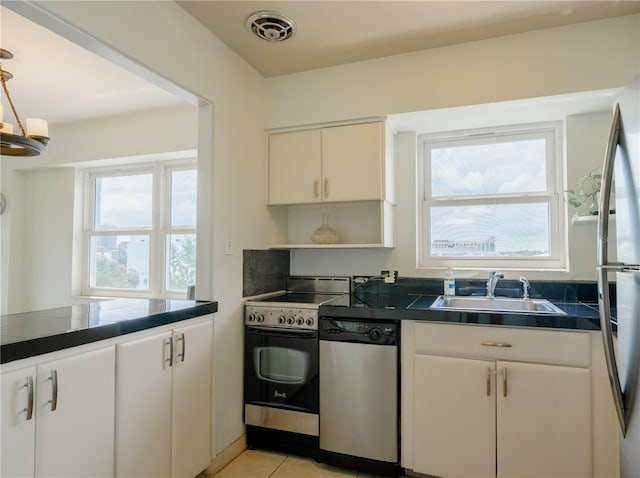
(227, 455)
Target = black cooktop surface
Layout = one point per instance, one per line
(301, 298)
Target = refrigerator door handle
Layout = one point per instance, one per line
(605, 189)
(620, 267)
(604, 304)
(609, 352)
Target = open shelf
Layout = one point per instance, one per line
(365, 224)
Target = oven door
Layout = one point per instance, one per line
(281, 368)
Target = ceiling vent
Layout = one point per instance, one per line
(271, 26)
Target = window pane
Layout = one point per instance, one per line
(494, 168)
(520, 230)
(183, 198)
(123, 202)
(181, 261)
(119, 262)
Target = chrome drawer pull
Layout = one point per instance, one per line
(495, 344)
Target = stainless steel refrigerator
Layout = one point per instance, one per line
(622, 161)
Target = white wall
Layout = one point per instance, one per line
(582, 57)
(165, 39)
(44, 220)
(557, 61)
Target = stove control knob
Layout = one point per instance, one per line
(375, 335)
(299, 321)
(260, 318)
(309, 321)
(252, 317)
(291, 321)
(282, 319)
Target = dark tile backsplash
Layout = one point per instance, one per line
(570, 291)
(264, 271)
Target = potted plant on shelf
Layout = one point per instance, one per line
(587, 192)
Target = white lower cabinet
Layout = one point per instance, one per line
(543, 420)
(489, 414)
(18, 422)
(58, 417)
(163, 403)
(455, 421)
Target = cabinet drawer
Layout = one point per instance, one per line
(504, 343)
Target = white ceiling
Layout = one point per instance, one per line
(61, 82)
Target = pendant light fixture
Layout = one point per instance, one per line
(29, 142)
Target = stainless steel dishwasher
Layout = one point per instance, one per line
(359, 394)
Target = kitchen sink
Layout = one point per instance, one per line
(496, 304)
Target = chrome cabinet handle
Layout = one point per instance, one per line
(29, 409)
(316, 185)
(54, 390)
(183, 347)
(168, 343)
(504, 382)
(489, 373)
(326, 187)
(495, 344)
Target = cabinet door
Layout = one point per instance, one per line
(192, 405)
(143, 407)
(544, 421)
(18, 429)
(75, 429)
(454, 417)
(353, 162)
(294, 167)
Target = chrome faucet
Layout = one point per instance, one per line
(494, 277)
(525, 287)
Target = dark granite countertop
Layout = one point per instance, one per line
(409, 299)
(34, 333)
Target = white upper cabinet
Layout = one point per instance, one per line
(332, 164)
(353, 162)
(295, 167)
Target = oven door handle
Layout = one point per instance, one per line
(277, 332)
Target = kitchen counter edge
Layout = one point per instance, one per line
(32, 347)
(579, 316)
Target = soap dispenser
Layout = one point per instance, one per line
(449, 283)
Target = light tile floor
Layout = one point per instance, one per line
(268, 464)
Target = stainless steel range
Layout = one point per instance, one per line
(281, 381)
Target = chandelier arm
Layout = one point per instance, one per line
(13, 108)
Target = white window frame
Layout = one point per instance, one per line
(158, 233)
(554, 196)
